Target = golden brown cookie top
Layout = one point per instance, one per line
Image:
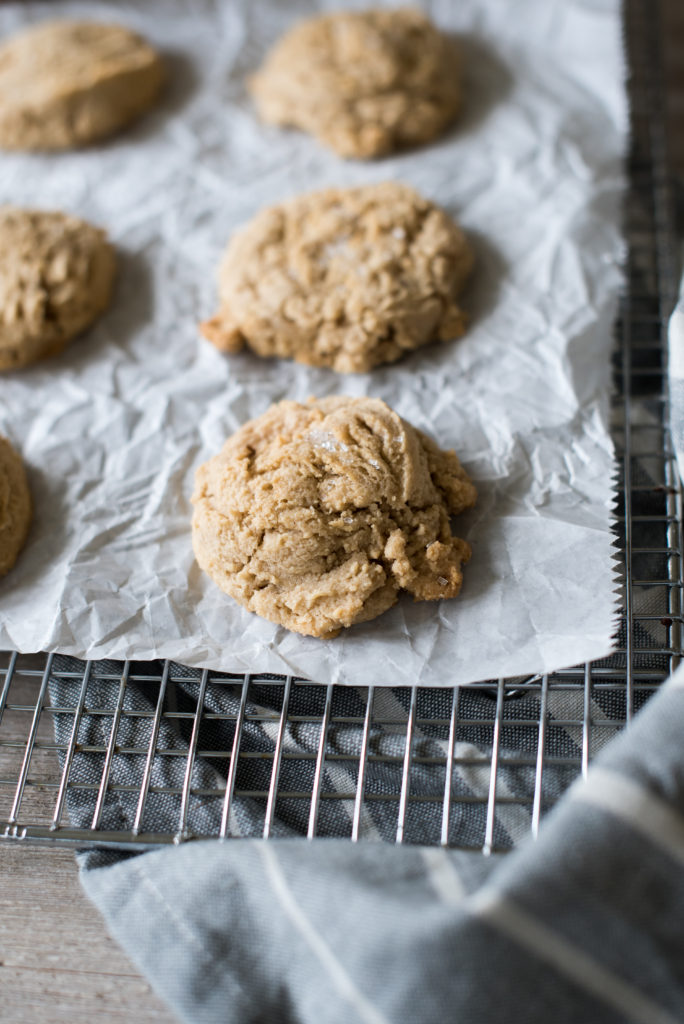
(364, 83)
(15, 506)
(56, 276)
(346, 278)
(316, 515)
(66, 83)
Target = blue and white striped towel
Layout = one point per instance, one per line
(583, 926)
(675, 367)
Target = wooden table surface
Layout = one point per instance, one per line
(57, 962)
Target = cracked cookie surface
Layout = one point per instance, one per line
(364, 83)
(15, 506)
(346, 278)
(64, 84)
(56, 277)
(315, 516)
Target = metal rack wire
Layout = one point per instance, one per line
(130, 755)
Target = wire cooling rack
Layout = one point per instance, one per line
(137, 754)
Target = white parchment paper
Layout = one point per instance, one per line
(113, 430)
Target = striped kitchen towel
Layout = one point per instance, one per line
(583, 925)
(675, 357)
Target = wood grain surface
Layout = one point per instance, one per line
(57, 962)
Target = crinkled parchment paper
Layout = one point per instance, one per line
(113, 430)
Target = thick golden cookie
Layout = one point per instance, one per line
(316, 516)
(346, 278)
(364, 83)
(64, 84)
(56, 277)
(15, 506)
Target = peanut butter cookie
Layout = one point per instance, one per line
(315, 516)
(64, 84)
(15, 506)
(56, 277)
(346, 278)
(364, 83)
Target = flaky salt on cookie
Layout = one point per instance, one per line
(346, 278)
(15, 506)
(56, 277)
(316, 516)
(64, 84)
(364, 83)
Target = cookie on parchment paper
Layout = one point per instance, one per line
(56, 277)
(316, 516)
(64, 84)
(15, 506)
(364, 83)
(346, 278)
